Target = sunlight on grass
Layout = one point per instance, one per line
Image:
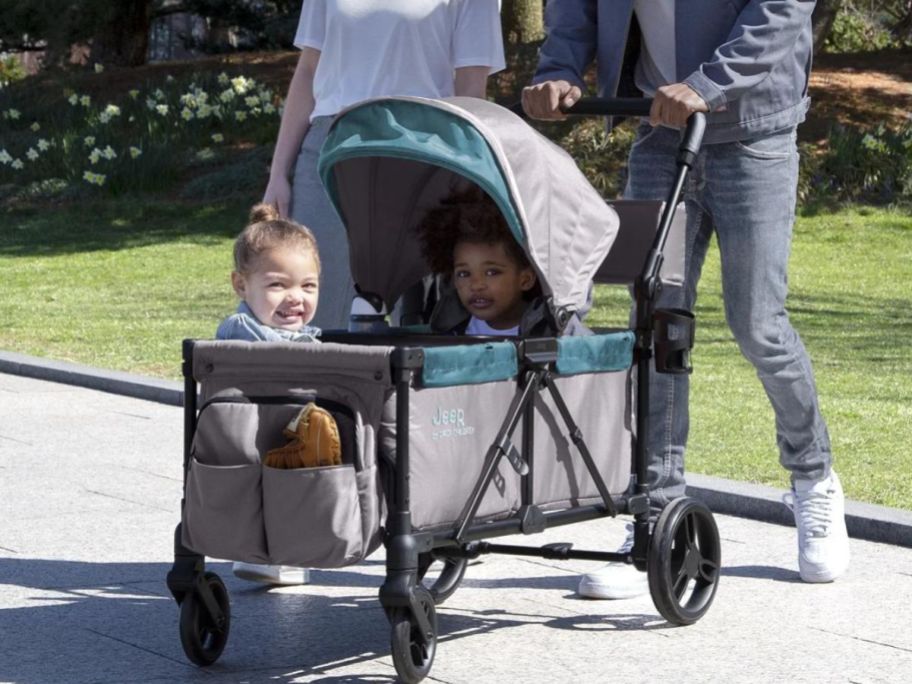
(119, 284)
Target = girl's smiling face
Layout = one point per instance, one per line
(490, 283)
(281, 288)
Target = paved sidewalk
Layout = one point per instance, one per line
(89, 496)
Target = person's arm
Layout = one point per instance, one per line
(299, 104)
(763, 35)
(477, 45)
(471, 81)
(564, 57)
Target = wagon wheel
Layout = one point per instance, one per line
(449, 573)
(202, 639)
(683, 562)
(412, 654)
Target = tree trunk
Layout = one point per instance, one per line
(823, 19)
(124, 38)
(523, 21)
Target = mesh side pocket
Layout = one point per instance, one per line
(223, 512)
(312, 516)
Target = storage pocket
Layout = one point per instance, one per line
(237, 429)
(312, 516)
(223, 512)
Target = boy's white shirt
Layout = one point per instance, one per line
(373, 48)
(477, 326)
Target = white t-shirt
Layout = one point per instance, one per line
(477, 326)
(376, 48)
(657, 65)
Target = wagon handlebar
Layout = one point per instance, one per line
(639, 106)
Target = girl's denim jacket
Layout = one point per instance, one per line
(243, 325)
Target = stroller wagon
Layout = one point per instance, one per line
(448, 441)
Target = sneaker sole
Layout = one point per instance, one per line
(821, 577)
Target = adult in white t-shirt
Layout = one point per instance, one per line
(352, 50)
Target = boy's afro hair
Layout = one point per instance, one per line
(464, 216)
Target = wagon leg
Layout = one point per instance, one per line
(205, 612)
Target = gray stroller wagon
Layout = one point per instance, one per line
(447, 441)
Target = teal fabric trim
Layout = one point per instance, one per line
(425, 133)
(469, 364)
(594, 353)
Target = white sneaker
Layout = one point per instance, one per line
(271, 574)
(615, 580)
(823, 543)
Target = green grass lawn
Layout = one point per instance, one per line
(118, 284)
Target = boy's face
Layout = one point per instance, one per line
(282, 287)
(490, 283)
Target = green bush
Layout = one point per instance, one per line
(857, 31)
(11, 70)
(143, 140)
(860, 165)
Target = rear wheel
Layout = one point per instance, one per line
(684, 560)
(202, 639)
(413, 653)
(441, 575)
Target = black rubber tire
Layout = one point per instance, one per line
(452, 570)
(684, 561)
(203, 641)
(411, 656)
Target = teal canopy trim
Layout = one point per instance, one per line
(469, 364)
(411, 130)
(595, 353)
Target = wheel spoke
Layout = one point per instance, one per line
(680, 581)
(708, 570)
(690, 531)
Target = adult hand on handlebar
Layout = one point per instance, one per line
(673, 104)
(544, 100)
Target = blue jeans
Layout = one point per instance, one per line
(745, 192)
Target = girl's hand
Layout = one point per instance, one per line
(278, 193)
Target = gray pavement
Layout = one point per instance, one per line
(90, 492)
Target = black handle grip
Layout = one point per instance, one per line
(693, 138)
(610, 106)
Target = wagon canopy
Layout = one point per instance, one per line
(387, 161)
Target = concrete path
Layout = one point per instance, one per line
(89, 495)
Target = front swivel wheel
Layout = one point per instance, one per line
(413, 651)
(203, 637)
(683, 561)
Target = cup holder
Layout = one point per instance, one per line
(673, 338)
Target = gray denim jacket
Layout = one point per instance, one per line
(748, 59)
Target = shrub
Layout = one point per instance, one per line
(856, 30)
(138, 141)
(860, 165)
(11, 70)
